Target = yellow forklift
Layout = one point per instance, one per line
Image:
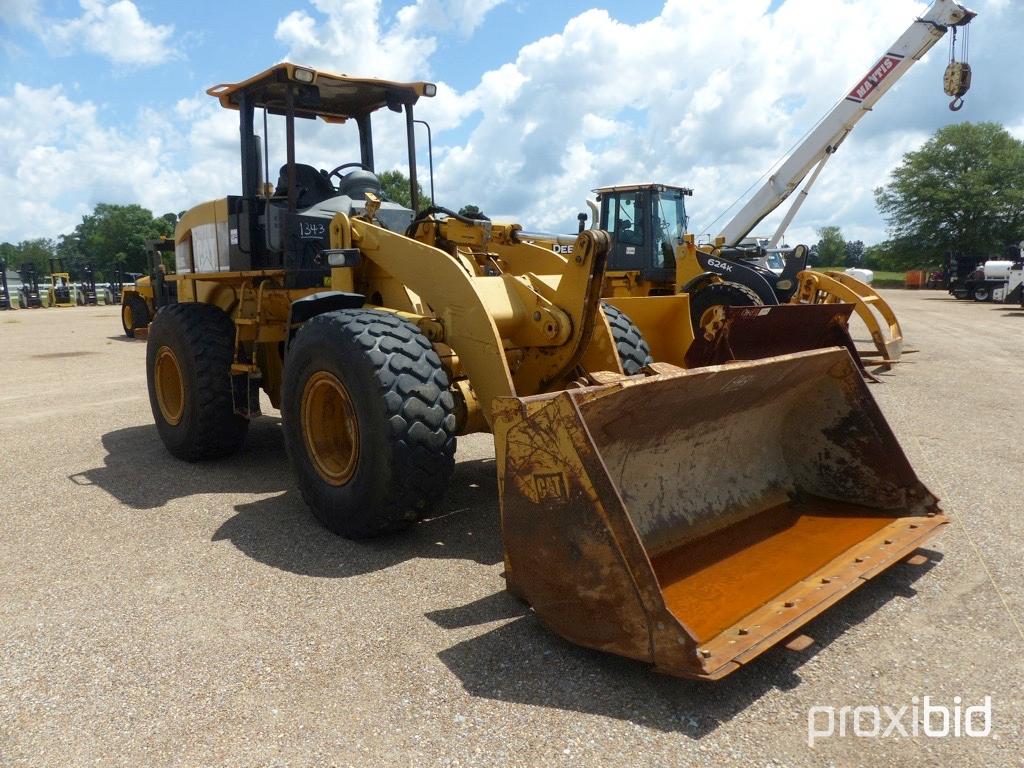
(61, 292)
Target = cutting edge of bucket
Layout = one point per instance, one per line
(772, 623)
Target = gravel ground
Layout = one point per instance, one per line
(160, 613)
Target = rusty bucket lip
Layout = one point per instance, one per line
(580, 395)
(764, 628)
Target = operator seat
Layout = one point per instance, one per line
(312, 187)
(625, 233)
(357, 183)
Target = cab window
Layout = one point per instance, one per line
(623, 222)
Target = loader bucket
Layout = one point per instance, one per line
(752, 333)
(694, 518)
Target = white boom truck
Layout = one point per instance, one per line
(812, 154)
(656, 258)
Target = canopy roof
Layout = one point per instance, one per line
(635, 187)
(334, 98)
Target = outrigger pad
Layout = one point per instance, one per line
(694, 518)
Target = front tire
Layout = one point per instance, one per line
(634, 354)
(708, 303)
(369, 421)
(982, 293)
(134, 314)
(188, 366)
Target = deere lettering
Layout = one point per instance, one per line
(877, 74)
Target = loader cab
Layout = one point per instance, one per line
(646, 223)
(282, 218)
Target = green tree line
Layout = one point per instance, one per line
(112, 237)
(963, 191)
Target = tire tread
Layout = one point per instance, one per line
(209, 334)
(634, 352)
(419, 413)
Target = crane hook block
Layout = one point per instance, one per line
(956, 82)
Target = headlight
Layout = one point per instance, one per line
(429, 89)
(303, 75)
(343, 257)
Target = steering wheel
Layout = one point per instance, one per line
(337, 171)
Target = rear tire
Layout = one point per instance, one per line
(188, 367)
(982, 293)
(369, 421)
(705, 303)
(634, 354)
(134, 315)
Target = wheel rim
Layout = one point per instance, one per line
(329, 428)
(170, 388)
(126, 316)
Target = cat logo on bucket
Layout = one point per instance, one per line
(550, 487)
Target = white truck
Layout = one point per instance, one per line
(997, 280)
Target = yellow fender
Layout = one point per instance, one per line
(835, 287)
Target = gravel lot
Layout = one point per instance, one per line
(158, 613)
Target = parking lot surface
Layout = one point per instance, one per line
(154, 612)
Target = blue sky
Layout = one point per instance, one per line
(229, 40)
(539, 102)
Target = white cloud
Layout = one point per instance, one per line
(116, 31)
(348, 38)
(20, 12)
(709, 98)
(59, 161)
(459, 16)
(691, 96)
(348, 35)
(706, 97)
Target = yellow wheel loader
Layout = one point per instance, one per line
(687, 518)
(138, 300)
(137, 308)
(653, 254)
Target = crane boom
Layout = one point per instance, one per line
(922, 34)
